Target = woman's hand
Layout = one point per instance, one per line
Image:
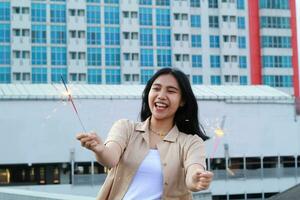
(91, 141)
(202, 179)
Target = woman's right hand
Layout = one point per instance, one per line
(91, 141)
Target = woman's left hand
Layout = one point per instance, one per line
(201, 179)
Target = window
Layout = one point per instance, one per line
(58, 34)
(242, 61)
(112, 56)
(214, 41)
(38, 34)
(4, 11)
(146, 74)
(94, 56)
(275, 4)
(93, 35)
(39, 75)
(111, 1)
(93, 1)
(243, 80)
(94, 76)
(215, 61)
(93, 15)
(213, 21)
(58, 13)
(197, 79)
(145, 2)
(146, 16)
(38, 12)
(275, 22)
(111, 15)
(58, 55)
(39, 55)
(162, 2)
(163, 37)
(196, 61)
(162, 17)
(241, 22)
(276, 42)
(4, 54)
(195, 3)
(4, 33)
(196, 41)
(112, 36)
(147, 57)
(277, 61)
(146, 37)
(5, 72)
(278, 80)
(164, 58)
(196, 21)
(213, 3)
(240, 4)
(215, 80)
(56, 74)
(113, 76)
(242, 42)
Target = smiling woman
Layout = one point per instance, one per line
(161, 157)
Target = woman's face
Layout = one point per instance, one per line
(164, 97)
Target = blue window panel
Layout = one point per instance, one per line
(5, 74)
(214, 41)
(58, 56)
(275, 4)
(112, 36)
(242, 61)
(276, 41)
(162, 17)
(164, 58)
(278, 80)
(145, 16)
(146, 37)
(215, 61)
(94, 35)
(38, 34)
(58, 34)
(195, 3)
(39, 55)
(145, 2)
(242, 42)
(93, 1)
(111, 1)
(277, 61)
(243, 80)
(59, 0)
(38, 12)
(147, 57)
(4, 33)
(240, 4)
(197, 79)
(241, 23)
(213, 4)
(163, 37)
(112, 56)
(215, 80)
(196, 61)
(58, 13)
(94, 76)
(111, 15)
(93, 15)
(146, 74)
(94, 56)
(196, 21)
(275, 22)
(4, 11)
(4, 55)
(39, 75)
(162, 2)
(56, 74)
(113, 76)
(196, 41)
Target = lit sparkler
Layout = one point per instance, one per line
(68, 93)
(219, 133)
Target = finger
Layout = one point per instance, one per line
(80, 135)
(207, 174)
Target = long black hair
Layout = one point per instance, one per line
(186, 116)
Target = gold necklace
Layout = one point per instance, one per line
(157, 133)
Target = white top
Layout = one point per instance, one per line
(147, 184)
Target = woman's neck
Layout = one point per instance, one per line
(161, 126)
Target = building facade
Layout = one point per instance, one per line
(235, 42)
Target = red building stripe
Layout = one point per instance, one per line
(254, 33)
(295, 48)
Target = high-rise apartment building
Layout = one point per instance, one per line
(235, 42)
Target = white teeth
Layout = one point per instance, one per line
(161, 105)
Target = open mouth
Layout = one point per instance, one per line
(160, 105)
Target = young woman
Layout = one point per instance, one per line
(163, 156)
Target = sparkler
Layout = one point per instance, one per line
(219, 134)
(68, 93)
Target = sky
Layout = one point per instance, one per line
(298, 30)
